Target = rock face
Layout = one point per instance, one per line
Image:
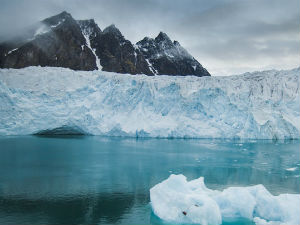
(61, 41)
(167, 57)
(58, 41)
(118, 54)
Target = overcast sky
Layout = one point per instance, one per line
(225, 36)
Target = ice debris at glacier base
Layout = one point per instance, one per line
(176, 200)
(259, 105)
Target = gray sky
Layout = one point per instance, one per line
(225, 36)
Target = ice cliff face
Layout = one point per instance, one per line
(262, 105)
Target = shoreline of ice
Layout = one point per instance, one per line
(259, 105)
(179, 201)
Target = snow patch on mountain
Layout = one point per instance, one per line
(11, 51)
(260, 105)
(59, 22)
(88, 43)
(41, 30)
(89, 31)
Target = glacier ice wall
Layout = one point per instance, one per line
(260, 105)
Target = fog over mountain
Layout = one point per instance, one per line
(226, 36)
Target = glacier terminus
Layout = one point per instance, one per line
(259, 105)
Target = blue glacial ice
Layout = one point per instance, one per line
(259, 105)
(176, 200)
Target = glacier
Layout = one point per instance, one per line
(258, 105)
(178, 201)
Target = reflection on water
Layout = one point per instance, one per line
(96, 180)
(70, 209)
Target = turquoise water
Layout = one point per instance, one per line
(96, 180)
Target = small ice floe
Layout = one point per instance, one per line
(291, 169)
(176, 200)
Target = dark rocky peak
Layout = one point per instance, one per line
(60, 25)
(161, 46)
(146, 42)
(113, 30)
(58, 19)
(164, 42)
(167, 57)
(163, 37)
(57, 41)
(88, 24)
(176, 43)
(89, 27)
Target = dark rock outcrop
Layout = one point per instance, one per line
(118, 54)
(61, 41)
(57, 42)
(167, 57)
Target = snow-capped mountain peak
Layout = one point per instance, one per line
(163, 37)
(169, 57)
(56, 20)
(61, 41)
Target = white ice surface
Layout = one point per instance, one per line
(172, 197)
(261, 105)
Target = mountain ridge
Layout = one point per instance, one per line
(62, 41)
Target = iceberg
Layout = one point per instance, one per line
(176, 200)
(259, 105)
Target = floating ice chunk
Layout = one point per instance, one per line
(176, 200)
(235, 202)
(291, 169)
(259, 221)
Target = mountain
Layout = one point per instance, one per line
(52, 100)
(167, 57)
(61, 41)
(57, 41)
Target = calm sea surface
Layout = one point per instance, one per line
(96, 180)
